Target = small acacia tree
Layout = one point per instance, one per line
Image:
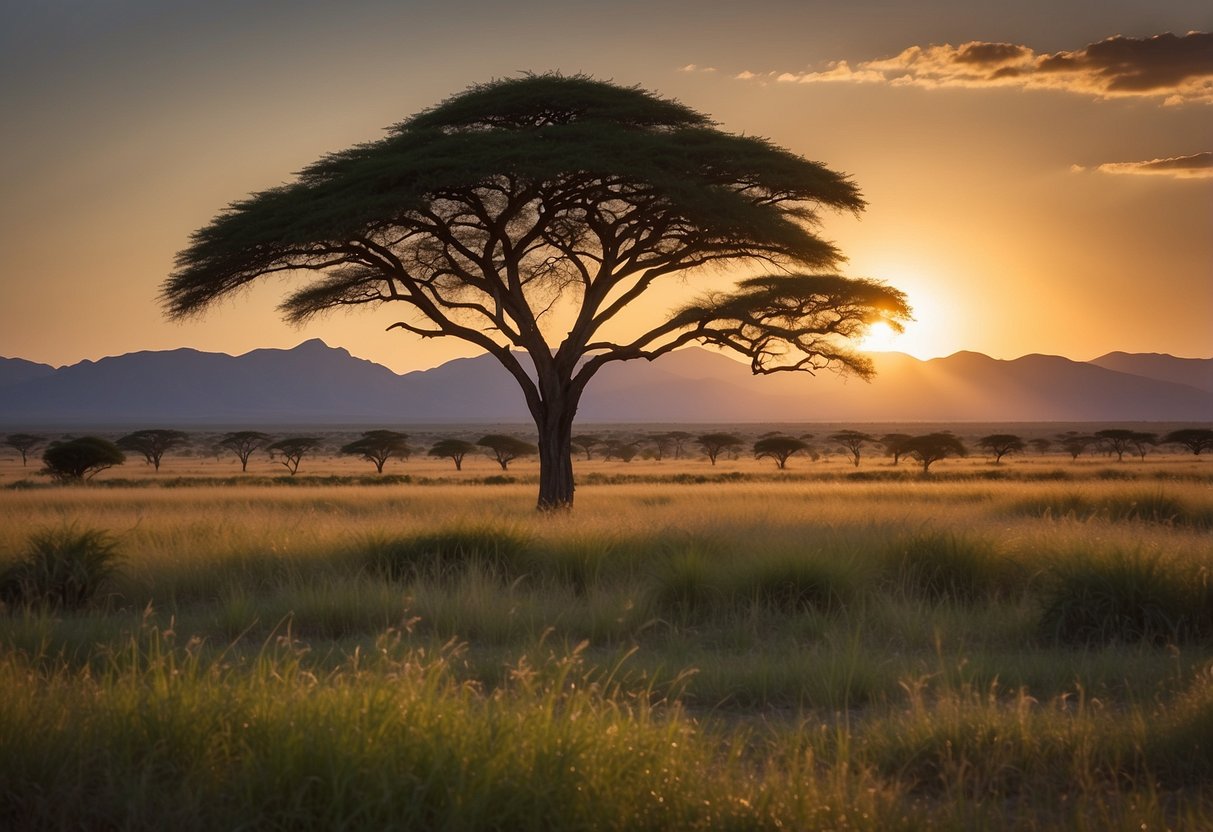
(852, 441)
(378, 446)
(23, 443)
(892, 444)
(1001, 444)
(714, 444)
(505, 449)
(292, 450)
(153, 444)
(243, 443)
(453, 449)
(779, 448)
(1196, 440)
(1075, 443)
(585, 443)
(932, 447)
(524, 215)
(74, 460)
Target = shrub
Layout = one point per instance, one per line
(1124, 598)
(448, 553)
(64, 568)
(795, 585)
(943, 566)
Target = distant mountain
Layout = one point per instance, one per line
(1194, 372)
(18, 370)
(317, 384)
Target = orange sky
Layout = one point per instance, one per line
(1010, 186)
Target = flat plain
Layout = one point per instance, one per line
(1023, 646)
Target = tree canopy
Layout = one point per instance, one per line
(243, 442)
(378, 446)
(1001, 444)
(523, 215)
(505, 449)
(292, 450)
(779, 448)
(929, 448)
(23, 443)
(453, 449)
(1196, 440)
(73, 460)
(714, 444)
(153, 443)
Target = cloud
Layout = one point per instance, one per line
(1196, 166)
(1175, 68)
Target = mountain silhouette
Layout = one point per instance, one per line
(317, 384)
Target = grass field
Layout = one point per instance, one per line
(1022, 646)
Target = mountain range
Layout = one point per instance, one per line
(317, 384)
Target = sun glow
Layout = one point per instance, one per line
(880, 337)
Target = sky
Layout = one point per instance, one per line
(1039, 174)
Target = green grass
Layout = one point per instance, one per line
(893, 654)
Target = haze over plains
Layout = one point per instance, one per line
(1038, 176)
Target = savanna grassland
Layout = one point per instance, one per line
(1020, 646)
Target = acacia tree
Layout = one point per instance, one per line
(153, 444)
(1195, 440)
(378, 446)
(73, 460)
(523, 215)
(1001, 444)
(452, 449)
(585, 443)
(779, 448)
(852, 442)
(292, 450)
(1120, 440)
(505, 449)
(714, 444)
(23, 443)
(243, 443)
(932, 447)
(892, 443)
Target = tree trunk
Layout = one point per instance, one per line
(555, 425)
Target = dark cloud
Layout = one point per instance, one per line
(1176, 68)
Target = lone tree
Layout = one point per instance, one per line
(378, 446)
(1195, 440)
(892, 443)
(505, 449)
(23, 443)
(779, 448)
(243, 443)
(1001, 444)
(453, 449)
(153, 444)
(585, 444)
(852, 442)
(714, 444)
(932, 447)
(79, 459)
(524, 215)
(292, 450)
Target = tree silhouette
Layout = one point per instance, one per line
(73, 460)
(778, 448)
(453, 449)
(524, 215)
(23, 443)
(678, 440)
(1041, 445)
(852, 442)
(714, 444)
(1196, 440)
(659, 444)
(292, 450)
(1001, 444)
(932, 447)
(585, 443)
(1120, 440)
(153, 444)
(378, 446)
(243, 443)
(505, 449)
(892, 443)
(1075, 443)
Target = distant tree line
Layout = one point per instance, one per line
(75, 459)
